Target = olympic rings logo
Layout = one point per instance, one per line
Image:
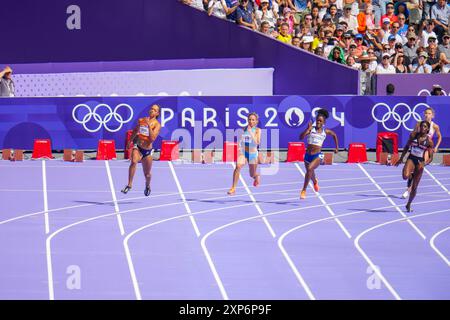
(396, 116)
(102, 122)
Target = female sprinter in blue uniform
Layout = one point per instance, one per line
(248, 151)
(434, 128)
(419, 143)
(146, 131)
(313, 157)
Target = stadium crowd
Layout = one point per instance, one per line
(374, 36)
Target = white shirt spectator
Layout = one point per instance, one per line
(382, 70)
(196, 4)
(339, 4)
(422, 69)
(352, 23)
(269, 17)
(425, 36)
(217, 7)
(373, 66)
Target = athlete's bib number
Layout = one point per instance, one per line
(417, 152)
(143, 130)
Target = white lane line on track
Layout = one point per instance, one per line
(113, 194)
(436, 180)
(255, 203)
(433, 246)
(421, 234)
(44, 190)
(186, 205)
(369, 261)
(48, 242)
(347, 233)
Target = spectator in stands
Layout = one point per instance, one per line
(265, 28)
(415, 11)
(372, 59)
(337, 55)
(366, 73)
(286, 4)
(323, 7)
(329, 45)
(391, 43)
(296, 42)
(437, 90)
(328, 23)
(440, 13)
(425, 34)
(199, 4)
(444, 47)
(351, 20)
(366, 20)
(371, 38)
(390, 89)
(280, 21)
(427, 5)
(316, 20)
(352, 63)
(376, 8)
(354, 5)
(307, 24)
(360, 47)
(434, 59)
(401, 8)
(232, 9)
(393, 34)
(334, 14)
(7, 88)
(289, 19)
(344, 24)
(284, 35)
(339, 6)
(339, 33)
(410, 48)
(319, 51)
(306, 43)
(403, 27)
(302, 6)
(245, 16)
(217, 8)
(422, 66)
(385, 29)
(319, 39)
(385, 67)
(390, 13)
(346, 40)
(265, 14)
(399, 63)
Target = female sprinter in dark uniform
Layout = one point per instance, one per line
(434, 128)
(316, 136)
(248, 151)
(418, 144)
(146, 131)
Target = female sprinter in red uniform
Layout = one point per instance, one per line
(146, 131)
(313, 157)
(248, 151)
(419, 143)
(434, 128)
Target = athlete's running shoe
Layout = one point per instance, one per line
(126, 189)
(303, 194)
(316, 185)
